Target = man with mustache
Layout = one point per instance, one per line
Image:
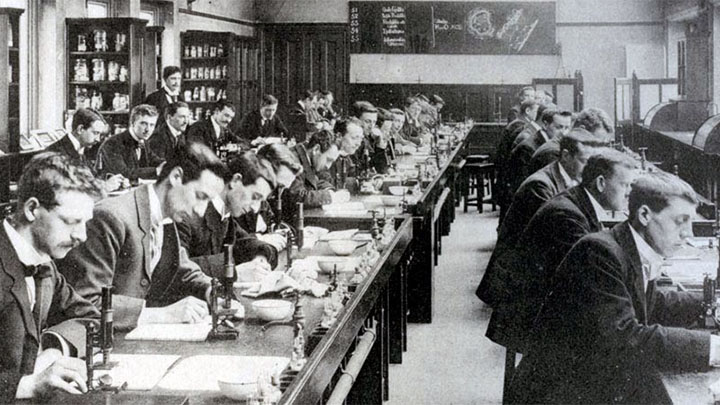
(170, 135)
(55, 200)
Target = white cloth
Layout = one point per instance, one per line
(566, 177)
(651, 260)
(28, 255)
(170, 94)
(75, 143)
(216, 127)
(157, 232)
(138, 149)
(174, 132)
(219, 205)
(599, 209)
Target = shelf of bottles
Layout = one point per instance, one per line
(207, 68)
(103, 67)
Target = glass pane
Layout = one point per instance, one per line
(97, 9)
(649, 98)
(565, 96)
(669, 91)
(148, 16)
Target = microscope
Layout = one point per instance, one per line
(222, 327)
(297, 360)
(708, 319)
(101, 339)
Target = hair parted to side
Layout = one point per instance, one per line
(50, 173)
(592, 119)
(194, 158)
(605, 163)
(267, 100)
(172, 108)
(279, 155)
(577, 136)
(170, 70)
(251, 168)
(341, 127)
(325, 139)
(549, 113)
(142, 110)
(359, 108)
(655, 189)
(85, 117)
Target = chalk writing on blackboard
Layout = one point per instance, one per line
(514, 32)
(354, 24)
(393, 26)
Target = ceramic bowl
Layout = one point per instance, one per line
(398, 190)
(342, 247)
(327, 265)
(272, 310)
(237, 390)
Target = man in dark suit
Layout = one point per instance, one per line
(606, 330)
(170, 135)
(55, 200)
(526, 93)
(127, 153)
(214, 132)
(532, 194)
(262, 123)
(553, 123)
(594, 120)
(249, 182)
(305, 119)
(133, 245)
(169, 93)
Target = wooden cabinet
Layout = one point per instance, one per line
(247, 89)
(105, 66)
(209, 70)
(10, 79)
(152, 60)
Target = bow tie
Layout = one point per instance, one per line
(43, 270)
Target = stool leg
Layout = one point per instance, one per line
(480, 191)
(509, 371)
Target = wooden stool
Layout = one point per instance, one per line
(510, 357)
(478, 177)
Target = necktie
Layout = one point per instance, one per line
(41, 273)
(142, 154)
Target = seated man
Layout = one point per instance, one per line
(133, 245)
(526, 93)
(214, 132)
(593, 120)
(537, 189)
(126, 153)
(549, 235)
(55, 200)
(412, 130)
(402, 145)
(606, 330)
(170, 135)
(554, 123)
(203, 237)
(263, 122)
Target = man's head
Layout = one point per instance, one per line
(575, 149)
(172, 75)
(662, 207)
(87, 127)
(366, 113)
(398, 118)
(55, 201)
(177, 115)
(412, 107)
(385, 120)
(223, 113)
(143, 118)
(529, 109)
(350, 135)
(608, 176)
(283, 161)
(268, 106)
(597, 122)
(327, 98)
(323, 150)
(249, 182)
(192, 177)
(556, 122)
(437, 102)
(309, 98)
(526, 93)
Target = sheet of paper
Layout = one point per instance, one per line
(186, 332)
(348, 206)
(201, 373)
(141, 372)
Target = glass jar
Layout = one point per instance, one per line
(80, 71)
(117, 102)
(82, 43)
(123, 73)
(113, 71)
(98, 70)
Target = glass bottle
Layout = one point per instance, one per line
(116, 103)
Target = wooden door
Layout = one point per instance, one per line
(248, 76)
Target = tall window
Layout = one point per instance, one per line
(98, 8)
(681, 68)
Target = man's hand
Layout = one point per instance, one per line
(276, 240)
(64, 374)
(340, 196)
(253, 271)
(187, 310)
(115, 182)
(259, 141)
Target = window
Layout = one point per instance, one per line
(98, 9)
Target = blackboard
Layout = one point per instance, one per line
(490, 28)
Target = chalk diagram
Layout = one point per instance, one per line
(514, 32)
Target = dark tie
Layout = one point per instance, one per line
(43, 270)
(40, 273)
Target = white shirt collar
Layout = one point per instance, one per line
(535, 125)
(219, 205)
(650, 259)
(174, 131)
(156, 214)
(75, 143)
(26, 252)
(216, 127)
(544, 135)
(566, 177)
(171, 93)
(599, 209)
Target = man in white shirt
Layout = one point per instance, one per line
(55, 200)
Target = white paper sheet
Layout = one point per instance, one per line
(201, 373)
(186, 332)
(141, 371)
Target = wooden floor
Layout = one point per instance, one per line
(451, 361)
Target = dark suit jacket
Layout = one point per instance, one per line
(19, 333)
(65, 147)
(513, 113)
(524, 275)
(251, 127)
(117, 156)
(545, 154)
(163, 143)
(518, 166)
(203, 238)
(309, 187)
(532, 194)
(594, 340)
(118, 252)
(159, 99)
(204, 132)
(502, 155)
